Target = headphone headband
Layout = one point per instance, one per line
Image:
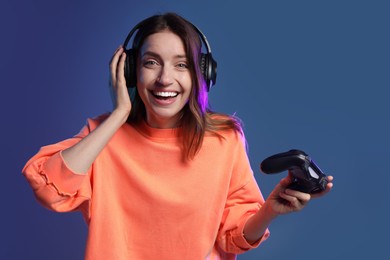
(135, 28)
(200, 33)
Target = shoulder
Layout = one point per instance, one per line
(226, 132)
(226, 126)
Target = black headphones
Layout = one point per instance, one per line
(208, 65)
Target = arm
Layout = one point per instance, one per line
(244, 199)
(80, 157)
(58, 173)
(280, 201)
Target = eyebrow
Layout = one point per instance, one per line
(153, 54)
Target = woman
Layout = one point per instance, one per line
(161, 176)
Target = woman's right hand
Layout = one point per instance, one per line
(81, 156)
(118, 88)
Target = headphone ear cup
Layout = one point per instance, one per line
(208, 67)
(212, 70)
(203, 66)
(130, 70)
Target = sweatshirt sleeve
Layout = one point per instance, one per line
(54, 184)
(243, 201)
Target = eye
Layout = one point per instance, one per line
(150, 63)
(182, 65)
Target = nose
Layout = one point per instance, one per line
(165, 76)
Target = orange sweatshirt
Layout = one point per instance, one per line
(141, 201)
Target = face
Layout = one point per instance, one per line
(164, 79)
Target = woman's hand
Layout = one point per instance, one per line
(118, 88)
(283, 200)
(80, 156)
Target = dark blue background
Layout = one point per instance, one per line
(312, 75)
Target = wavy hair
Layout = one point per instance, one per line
(197, 117)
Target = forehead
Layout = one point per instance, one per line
(163, 42)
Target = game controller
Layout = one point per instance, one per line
(307, 176)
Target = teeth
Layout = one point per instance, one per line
(165, 94)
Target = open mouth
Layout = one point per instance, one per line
(164, 95)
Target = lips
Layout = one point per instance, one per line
(164, 95)
(164, 98)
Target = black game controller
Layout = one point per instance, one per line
(308, 177)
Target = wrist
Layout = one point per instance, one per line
(268, 211)
(120, 115)
(257, 225)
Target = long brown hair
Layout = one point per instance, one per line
(197, 118)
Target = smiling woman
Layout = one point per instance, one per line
(161, 176)
(167, 50)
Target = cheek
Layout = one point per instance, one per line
(186, 82)
(143, 77)
(142, 83)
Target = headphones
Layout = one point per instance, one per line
(208, 66)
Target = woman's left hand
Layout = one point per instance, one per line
(283, 200)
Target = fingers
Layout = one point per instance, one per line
(297, 200)
(286, 200)
(328, 188)
(286, 180)
(114, 64)
(121, 69)
(118, 89)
